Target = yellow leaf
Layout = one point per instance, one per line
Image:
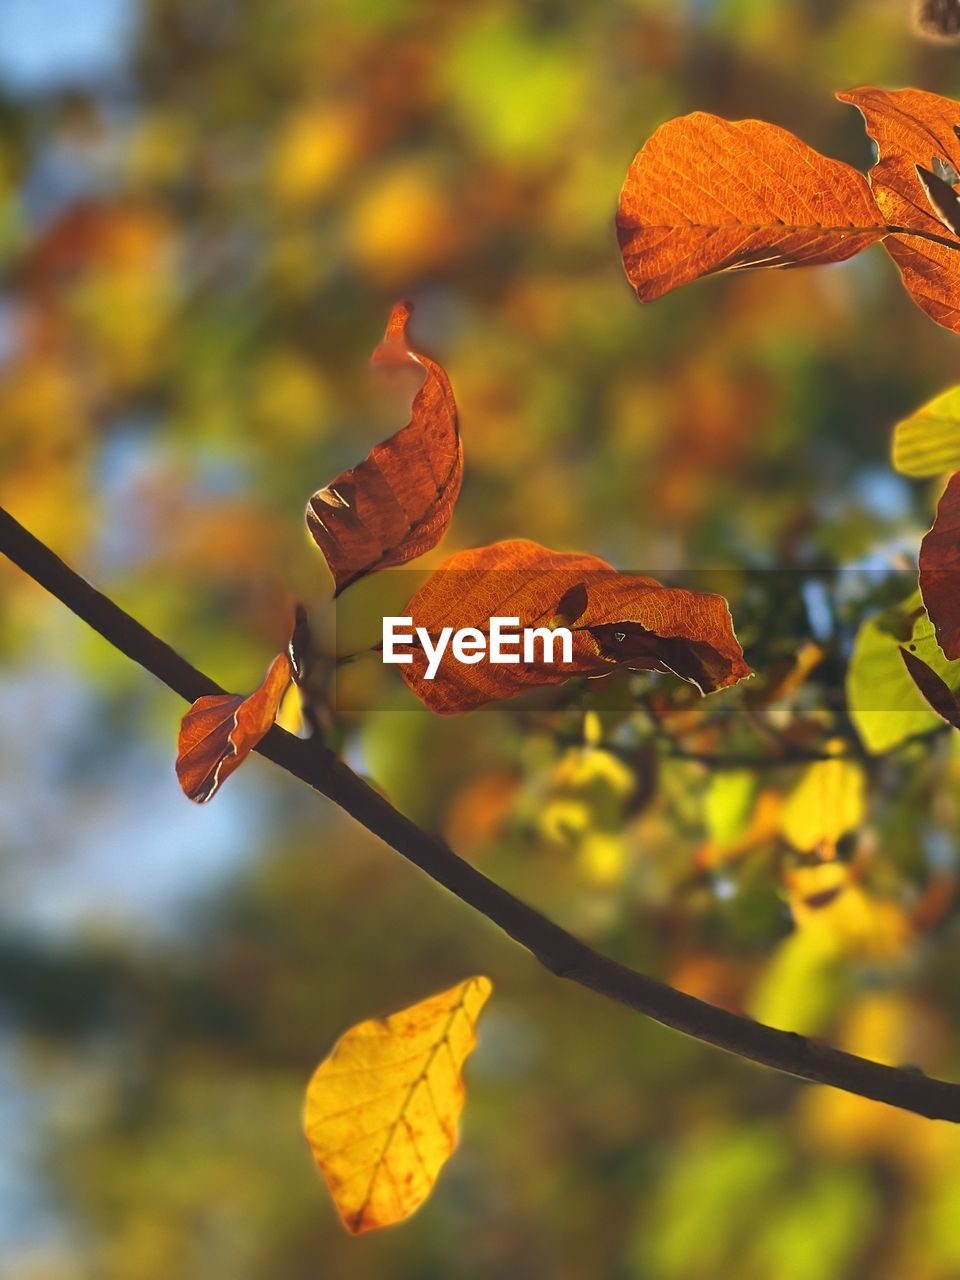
(928, 442)
(381, 1111)
(826, 803)
(313, 148)
(290, 715)
(602, 855)
(403, 224)
(728, 804)
(829, 899)
(884, 703)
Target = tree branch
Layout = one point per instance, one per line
(559, 951)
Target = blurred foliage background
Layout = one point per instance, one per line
(207, 208)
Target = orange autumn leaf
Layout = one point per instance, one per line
(706, 195)
(616, 620)
(397, 503)
(913, 185)
(940, 570)
(219, 731)
(382, 1109)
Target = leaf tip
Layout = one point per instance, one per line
(395, 335)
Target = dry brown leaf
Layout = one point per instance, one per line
(937, 693)
(706, 195)
(219, 732)
(621, 620)
(381, 1111)
(940, 570)
(915, 131)
(397, 503)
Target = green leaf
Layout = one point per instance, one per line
(928, 442)
(884, 703)
(728, 804)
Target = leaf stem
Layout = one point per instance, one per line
(924, 235)
(559, 951)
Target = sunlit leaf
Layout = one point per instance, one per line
(706, 195)
(830, 900)
(739, 820)
(883, 701)
(800, 985)
(886, 1025)
(626, 621)
(827, 803)
(915, 130)
(728, 804)
(928, 442)
(219, 731)
(587, 809)
(397, 503)
(382, 1110)
(312, 148)
(404, 224)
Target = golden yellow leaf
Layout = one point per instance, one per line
(829, 899)
(290, 713)
(313, 148)
(826, 803)
(404, 224)
(382, 1109)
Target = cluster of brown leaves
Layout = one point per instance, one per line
(397, 504)
(707, 195)
(382, 1109)
(703, 195)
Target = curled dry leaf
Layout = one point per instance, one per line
(381, 1111)
(706, 195)
(397, 503)
(940, 570)
(621, 620)
(219, 732)
(913, 185)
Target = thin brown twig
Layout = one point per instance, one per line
(555, 948)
